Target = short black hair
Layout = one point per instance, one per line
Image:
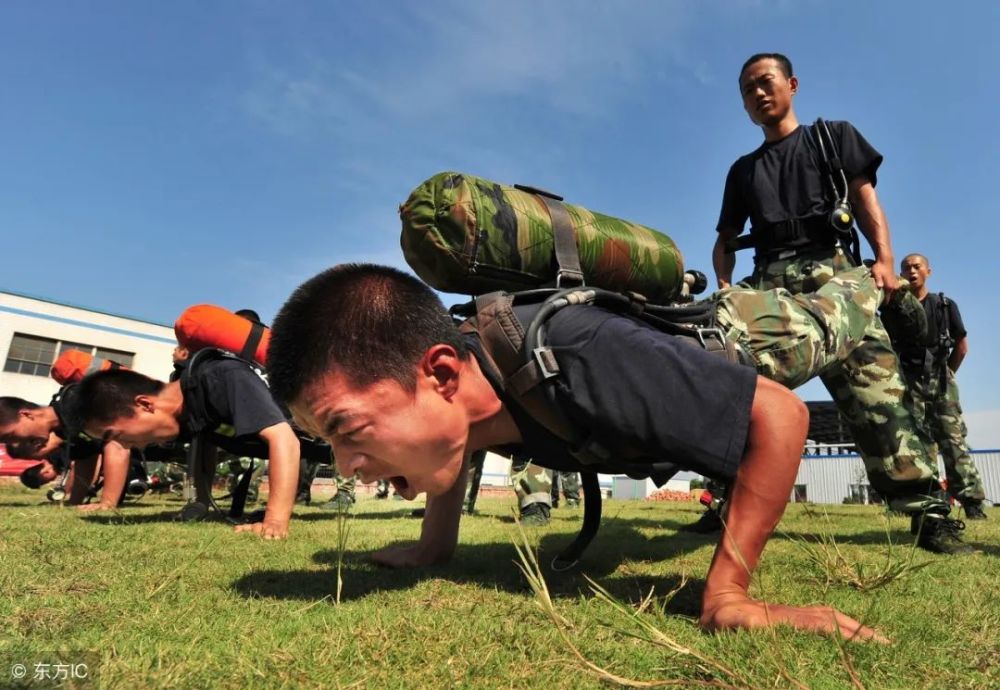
(11, 406)
(32, 477)
(367, 321)
(906, 258)
(783, 62)
(105, 396)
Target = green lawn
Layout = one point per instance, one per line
(165, 604)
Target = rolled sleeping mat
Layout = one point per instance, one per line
(206, 325)
(73, 365)
(469, 235)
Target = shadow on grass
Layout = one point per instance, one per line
(126, 517)
(490, 566)
(355, 515)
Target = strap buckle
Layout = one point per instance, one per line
(708, 333)
(546, 361)
(575, 278)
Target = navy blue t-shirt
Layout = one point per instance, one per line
(648, 395)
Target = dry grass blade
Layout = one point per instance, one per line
(343, 532)
(656, 636)
(836, 567)
(532, 571)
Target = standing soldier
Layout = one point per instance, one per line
(930, 373)
(801, 190)
(569, 484)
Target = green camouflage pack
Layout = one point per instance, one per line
(472, 236)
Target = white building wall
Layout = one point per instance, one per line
(828, 477)
(151, 343)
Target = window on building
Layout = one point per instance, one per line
(65, 345)
(30, 355)
(123, 358)
(33, 355)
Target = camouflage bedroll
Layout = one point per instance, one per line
(469, 235)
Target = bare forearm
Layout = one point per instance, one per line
(115, 464)
(763, 483)
(871, 219)
(439, 531)
(722, 261)
(958, 354)
(283, 479)
(81, 478)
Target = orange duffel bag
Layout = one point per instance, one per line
(206, 325)
(73, 365)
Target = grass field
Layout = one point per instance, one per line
(164, 604)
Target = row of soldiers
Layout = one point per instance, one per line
(365, 358)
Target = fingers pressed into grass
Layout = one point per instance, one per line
(407, 556)
(266, 530)
(742, 612)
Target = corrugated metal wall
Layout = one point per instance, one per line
(828, 478)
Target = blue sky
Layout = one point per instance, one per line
(162, 154)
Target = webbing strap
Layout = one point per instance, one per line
(567, 256)
(591, 523)
(249, 351)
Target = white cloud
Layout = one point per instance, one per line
(457, 56)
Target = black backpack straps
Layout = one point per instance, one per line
(195, 414)
(570, 556)
(945, 331)
(249, 351)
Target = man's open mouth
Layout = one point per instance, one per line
(399, 484)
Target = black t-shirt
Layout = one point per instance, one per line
(918, 359)
(235, 399)
(783, 180)
(633, 387)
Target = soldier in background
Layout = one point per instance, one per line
(930, 373)
(802, 229)
(532, 486)
(569, 484)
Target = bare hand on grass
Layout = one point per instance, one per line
(407, 556)
(267, 529)
(743, 612)
(94, 507)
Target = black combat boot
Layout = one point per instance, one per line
(939, 533)
(710, 522)
(973, 509)
(535, 515)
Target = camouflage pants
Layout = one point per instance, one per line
(569, 483)
(940, 411)
(532, 484)
(345, 485)
(846, 344)
(473, 479)
(307, 475)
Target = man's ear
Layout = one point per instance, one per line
(793, 83)
(146, 403)
(441, 366)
